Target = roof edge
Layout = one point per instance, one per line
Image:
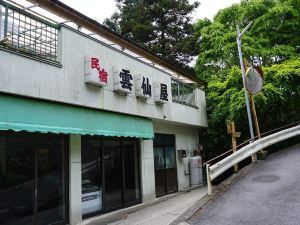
(67, 12)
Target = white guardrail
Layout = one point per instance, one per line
(236, 157)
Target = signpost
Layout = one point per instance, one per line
(254, 83)
(253, 80)
(234, 136)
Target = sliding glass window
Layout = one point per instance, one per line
(110, 174)
(91, 176)
(33, 172)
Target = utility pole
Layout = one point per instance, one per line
(239, 45)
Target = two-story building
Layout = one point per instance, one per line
(86, 128)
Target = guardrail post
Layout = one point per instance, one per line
(253, 156)
(209, 188)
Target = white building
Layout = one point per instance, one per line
(86, 128)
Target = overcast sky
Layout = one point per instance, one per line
(100, 10)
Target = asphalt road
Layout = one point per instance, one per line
(268, 195)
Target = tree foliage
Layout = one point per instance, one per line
(273, 38)
(273, 42)
(163, 26)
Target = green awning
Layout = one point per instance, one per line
(24, 114)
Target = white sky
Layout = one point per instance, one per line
(209, 8)
(102, 9)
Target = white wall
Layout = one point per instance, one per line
(186, 137)
(24, 76)
(75, 209)
(147, 171)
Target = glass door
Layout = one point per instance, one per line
(170, 170)
(33, 179)
(91, 177)
(159, 166)
(131, 173)
(113, 169)
(16, 179)
(50, 184)
(110, 174)
(165, 164)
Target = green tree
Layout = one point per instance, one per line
(163, 26)
(272, 42)
(276, 105)
(273, 38)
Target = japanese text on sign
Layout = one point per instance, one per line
(160, 92)
(163, 92)
(102, 73)
(143, 86)
(98, 70)
(126, 79)
(146, 86)
(95, 72)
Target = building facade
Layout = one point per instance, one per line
(85, 128)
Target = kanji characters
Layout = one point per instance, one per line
(163, 92)
(95, 63)
(103, 75)
(146, 87)
(124, 82)
(126, 79)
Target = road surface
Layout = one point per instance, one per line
(268, 195)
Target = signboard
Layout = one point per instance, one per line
(160, 92)
(123, 81)
(143, 86)
(98, 71)
(253, 80)
(91, 202)
(95, 71)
